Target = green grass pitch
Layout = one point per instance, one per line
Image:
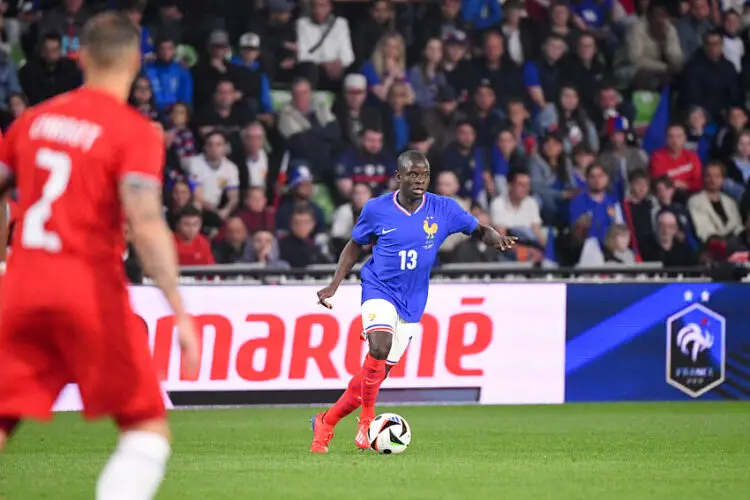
(663, 451)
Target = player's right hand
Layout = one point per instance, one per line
(189, 345)
(325, 294)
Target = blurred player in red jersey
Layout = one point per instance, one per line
(84, 162)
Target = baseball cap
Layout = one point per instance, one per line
(279, 6)
(249, 41)
(301, 173)
(484, 82)
(355, 81)
(219, 38)
(446, 94)
(455, 36)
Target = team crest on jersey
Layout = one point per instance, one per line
(371, 316)
(430, 228)
(696, 341)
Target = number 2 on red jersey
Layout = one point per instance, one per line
(34, 235)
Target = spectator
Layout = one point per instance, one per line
(584, 72)
(386, 66)
(169, 23)
(252, 159)
(594, 211)
(481, 14)
(252, 80)
(693, 27)
(255, 213)
(583, 158)
(551, 179)
(483, 114)
(654, 49)
(279, 34)
(680, 164)
(180, 196)
(447, 185)
(130, 260)
(8, 79)
(170, 80)
(560, 24)
(504, 159)
(265, 251)
(49, 74)
(346, 215)
(734, 47)
(457, 68)
(639, 209)
(17, 105)
(473, 249)
(666, 247)
(441, 120)
(504, 75)
(570, 117)
(726, 139)
(369, 30)
(214, 68)
(180, 136)
(300, 194)
(442, 23)
(351, 112)
(700, 133)
(517, 212)
(142, 98)
(216, 178)
(738, 172)
(618, 157)
(714, 213)
(399, 116)
(709, 80)
(664, 190)
(367, 164)
(233, 247)
(543, 76)
(324, 45)
(609, 105)
(133, 10)
(468, 161)
(519, 122)
(226, 114)
(427, 78)
(193, 248)
(298, 248)
(518, 31)
(310, 129)
(67, 20)
(617, 246)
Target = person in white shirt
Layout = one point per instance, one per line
(324, 40)
(517, 211)
(214, 177)
(346, 215)
(253, 163)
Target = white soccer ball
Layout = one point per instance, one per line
(389, 434)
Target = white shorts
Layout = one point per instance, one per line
(381, 315)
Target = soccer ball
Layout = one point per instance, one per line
(389, 434)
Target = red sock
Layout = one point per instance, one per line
(373, 374)
(347, 403)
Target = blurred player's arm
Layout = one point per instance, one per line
(154, 243)
(349, 256)
(490, 237)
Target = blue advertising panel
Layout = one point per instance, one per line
(644, 342)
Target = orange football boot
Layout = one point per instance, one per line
(322, 434)
(361, 440)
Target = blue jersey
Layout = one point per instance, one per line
(406, 245)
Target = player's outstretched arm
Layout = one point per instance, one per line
(154, 244)
(494, 239)
(349, 256)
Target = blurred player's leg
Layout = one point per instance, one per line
(7, 427)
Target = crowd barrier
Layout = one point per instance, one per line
(508, 343)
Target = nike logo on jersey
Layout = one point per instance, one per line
(388, 231)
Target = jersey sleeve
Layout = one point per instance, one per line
(459, 220)
(143, 155)
(364, 229)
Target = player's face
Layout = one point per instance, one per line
(189, 227)
(414, 181)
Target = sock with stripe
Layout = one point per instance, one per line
(373, 374)
(347, 403)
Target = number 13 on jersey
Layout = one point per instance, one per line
(408, 259)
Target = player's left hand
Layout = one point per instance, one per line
(324, 294)
(506, 243)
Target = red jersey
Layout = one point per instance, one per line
(685, 167)
(68, 155)
(194, 253)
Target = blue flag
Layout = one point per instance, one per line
(656, 133)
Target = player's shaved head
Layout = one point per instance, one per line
(411, 159)
(108, 39)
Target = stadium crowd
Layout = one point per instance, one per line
(594, 130)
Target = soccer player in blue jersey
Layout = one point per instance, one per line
(405, 230)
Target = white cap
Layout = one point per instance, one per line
(249, 41)
(355, 81)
